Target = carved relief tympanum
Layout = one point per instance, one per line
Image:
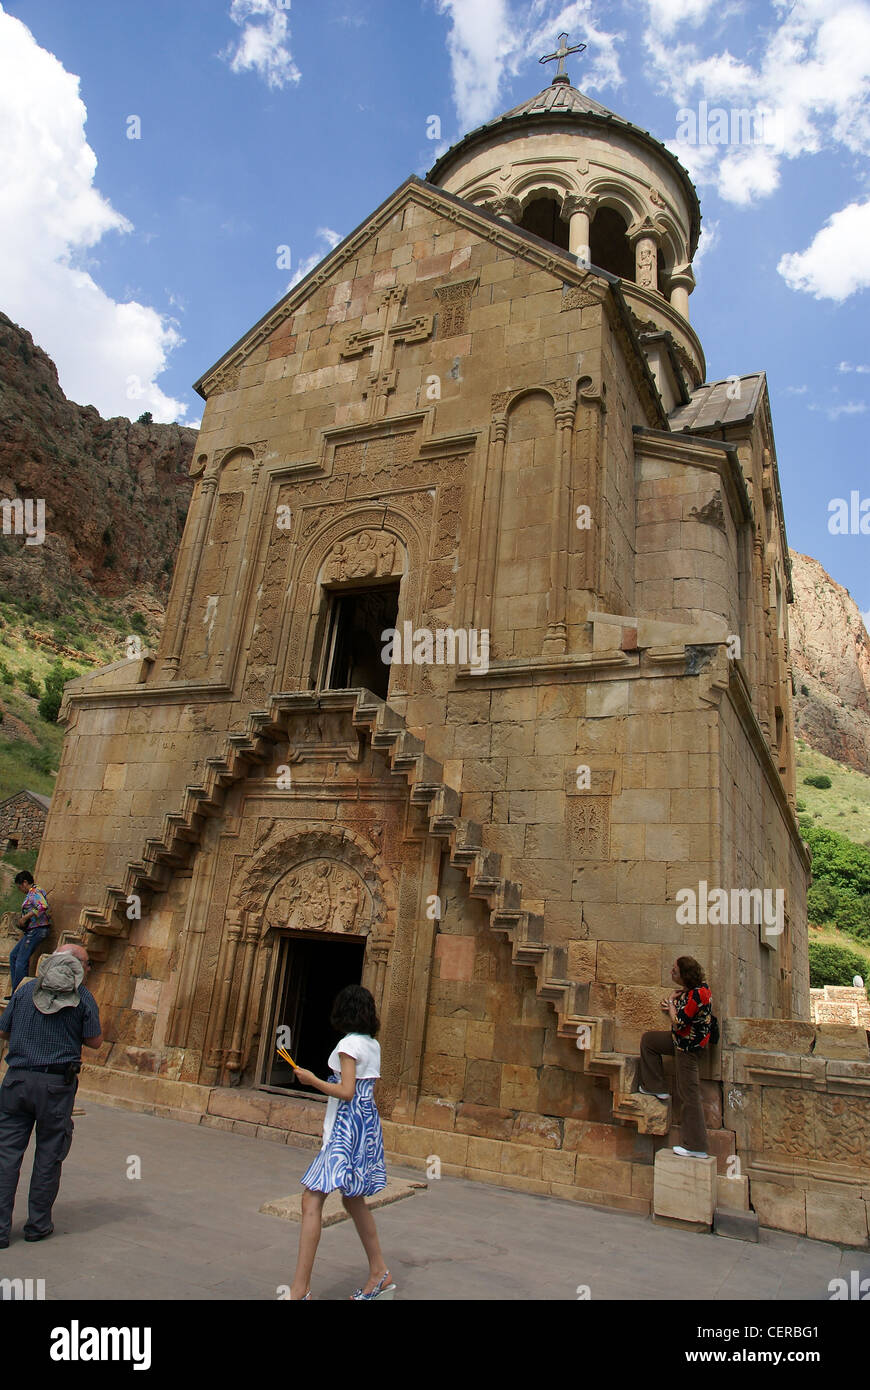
(322, 895)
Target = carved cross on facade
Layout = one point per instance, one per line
(562, 53)
(382, 343)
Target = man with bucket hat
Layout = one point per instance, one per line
(46, 1022)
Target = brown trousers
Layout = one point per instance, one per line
(655, 1046)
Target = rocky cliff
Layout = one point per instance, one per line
(116, 493)
(831, 656)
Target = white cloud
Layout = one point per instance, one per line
(848, 367)
(834, 412)
(330, 240)
(490, 40)
(262, 46)
(796, 390)
(51, 215)
(812, 74)
(837, 262)
(667, 14)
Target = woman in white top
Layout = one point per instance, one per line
(351, 1158)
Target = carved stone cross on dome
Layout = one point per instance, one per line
(382, 343)
(562, 53)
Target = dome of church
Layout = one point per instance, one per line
(562, 166)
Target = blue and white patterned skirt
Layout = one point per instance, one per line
(353, 1157)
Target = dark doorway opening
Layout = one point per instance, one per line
(543, 217)
(311, 971)
(354, 641)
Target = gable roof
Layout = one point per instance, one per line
(715, 405)
(43, 801)
(540, 253)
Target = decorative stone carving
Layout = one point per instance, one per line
(578, 297)
(364, 556)
(589, 826)
(322, 895)
(455, 302)
(225, 380)
(711, 514)
(646, 260)
(508, 208)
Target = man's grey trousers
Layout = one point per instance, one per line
(43, 1100)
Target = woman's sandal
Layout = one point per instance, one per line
(378, 1291)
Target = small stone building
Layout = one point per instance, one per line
(474, 686)
(22, 820)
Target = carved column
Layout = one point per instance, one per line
(579, 208)
(556, 638)
(251, 940)
(508, 208)
(488, 552)
(682, 284)
(377, 954)
(208, 488)
(226, 970)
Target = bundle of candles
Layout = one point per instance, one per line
(282, 1052)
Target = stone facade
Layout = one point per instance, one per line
(455, 413)
(22, 820)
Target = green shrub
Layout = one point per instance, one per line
(834, 965)
(30, 684)
(838, 860)
(138, 624)
(801, 805)
(55, 681)
(818, 779)
(41, 759)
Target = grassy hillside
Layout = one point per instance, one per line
(91, 634)
(844, 806)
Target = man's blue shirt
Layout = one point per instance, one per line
(45, 1040)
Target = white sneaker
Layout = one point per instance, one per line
(659, 1095)
(688, 1153)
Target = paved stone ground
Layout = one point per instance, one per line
(191, 1229)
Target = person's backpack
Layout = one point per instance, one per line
(714, 1030)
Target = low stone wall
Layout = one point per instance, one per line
(840, 1004)
(797, 1097)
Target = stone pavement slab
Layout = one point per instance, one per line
(191, 1228)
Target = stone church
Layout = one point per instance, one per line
(483, 425)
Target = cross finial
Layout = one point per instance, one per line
(562, 53)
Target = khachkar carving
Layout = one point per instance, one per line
(455, 302)
(322, 895)
(589, 826)
(382, 343)
(364, 556)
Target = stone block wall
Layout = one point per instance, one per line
(22, 820)
(797, 1096)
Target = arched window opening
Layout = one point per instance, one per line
(609, 246)
(543, 217)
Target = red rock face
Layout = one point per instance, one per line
(831, 655)
(116, 493)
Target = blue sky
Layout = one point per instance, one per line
(136, 262)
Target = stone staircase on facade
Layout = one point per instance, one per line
(406, 756)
